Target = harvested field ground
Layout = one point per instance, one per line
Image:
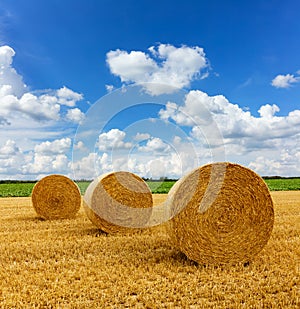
(71, 264)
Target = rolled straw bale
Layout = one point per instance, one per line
(118, 202)
(221, 213)
(56, 197)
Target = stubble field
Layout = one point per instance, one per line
(71, 264)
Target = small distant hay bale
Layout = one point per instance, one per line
(56, 197)
(221, 213)
(118, 202)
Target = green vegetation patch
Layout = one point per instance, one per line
(157, 187)
(83, 186)
(283, 184)
(18, 189)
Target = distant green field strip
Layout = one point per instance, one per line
(283, 184)
(160, 187)
(24, 189)
(16, 189)
(83, 186)
(155, 186)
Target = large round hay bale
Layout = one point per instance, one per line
(118, 202)
(56, 197)
(222, 213)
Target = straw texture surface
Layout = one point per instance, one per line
(226, 214)
(118, 202)
(56, 197)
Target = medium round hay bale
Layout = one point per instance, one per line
(222, 213)
(56, 197)
(118, 202)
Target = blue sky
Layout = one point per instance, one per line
(241, 57)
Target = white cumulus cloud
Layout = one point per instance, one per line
(285, 81)
(91, 166)
(60, 162)
(131, 66)
(60, 146)
(155, 144)
(165, 65)
(68, 97)
(9, 148)
(142, 136)
(16, 101)
(286, 164)
(156, 167)
(8, 75)
(113, 139)
(236, 126)
(41, 165)
(40, 108)
(49, 157)
(268, 111)
(75, 115)
(80, 146)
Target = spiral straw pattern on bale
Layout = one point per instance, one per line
(226, 215)
(56, 197)
(118, 202)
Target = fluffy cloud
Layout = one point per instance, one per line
(267, 143)
(85, 168)
(268, 111)
(75, 115)
(285, 81)
(80, 146)
(216, 130)
(155, 144)
(156, 167)
(68, 97)
(9, 148)
(29, 116)
(243, 136)
(49, 157)
(12, 160)
(41, 164)
(59, 146)
(112, 140)
(91, 166)
(152, 158)
(39, 108)
(16, 101)
(60, 162)
(141, 136)
(131, 66)
(8, 75)
(287, 164)
(234, 122)
(165, 64)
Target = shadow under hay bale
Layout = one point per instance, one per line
(56, 197)
(222, 213)
(118, 202)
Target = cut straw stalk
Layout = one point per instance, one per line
(56, 197)
(225, 214)
(118, 202)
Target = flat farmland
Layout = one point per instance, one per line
(71, 264)
(23, 189)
